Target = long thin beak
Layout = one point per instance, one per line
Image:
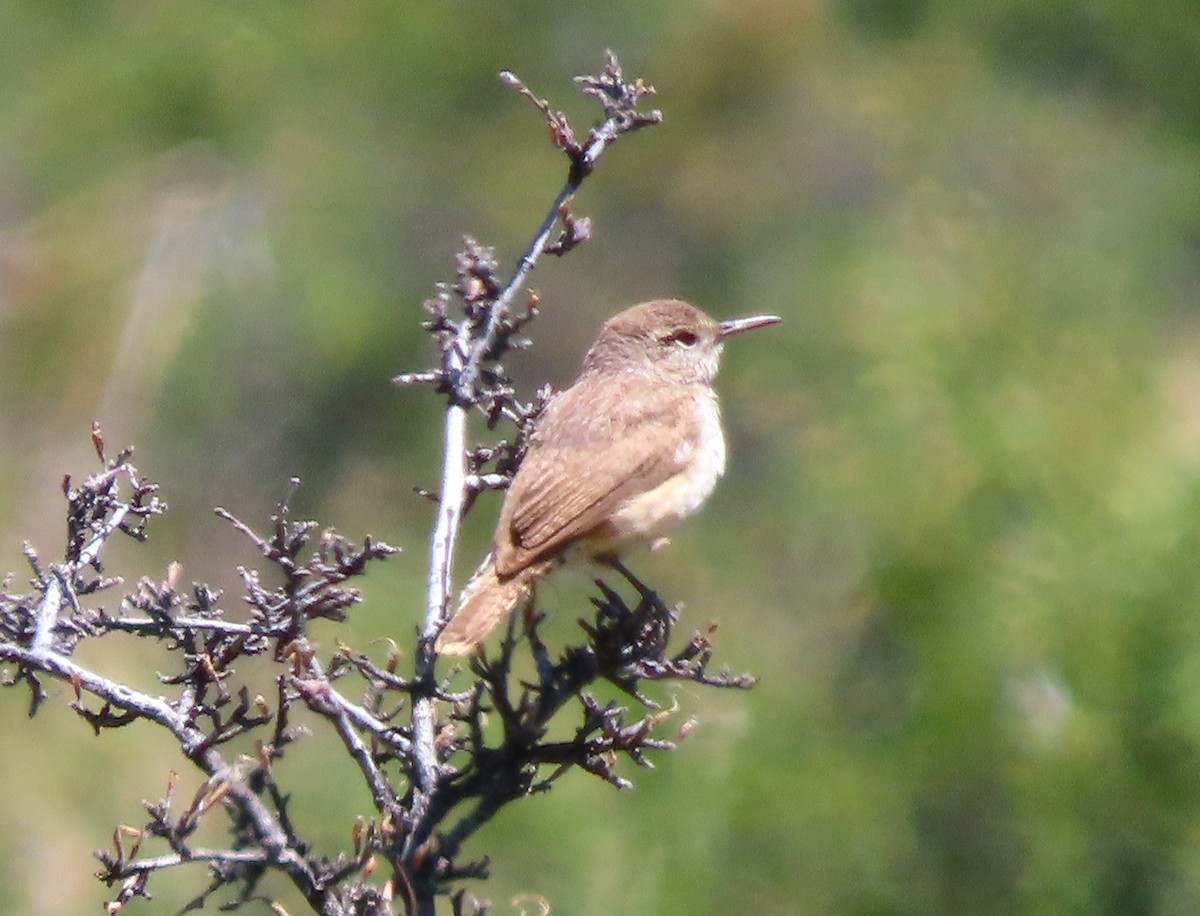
(737, 325)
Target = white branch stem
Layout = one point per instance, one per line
(191, 739)
(57, 585)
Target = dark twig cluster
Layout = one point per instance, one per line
(199, 705)
(439, 762)
(471, 346)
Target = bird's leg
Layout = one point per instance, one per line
(651, 610)
(643, 589)
(531, 618)
(529, 608)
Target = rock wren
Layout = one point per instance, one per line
(631, 448)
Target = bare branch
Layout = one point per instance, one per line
(471, 349)
(438, 762)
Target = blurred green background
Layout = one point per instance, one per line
(959, 535)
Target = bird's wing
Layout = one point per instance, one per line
(588, 456)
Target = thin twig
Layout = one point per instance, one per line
(193, 743)
(57, 587)
(148, 625)
(322, 698)
(194, 854)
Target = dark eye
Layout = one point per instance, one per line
(683, 337)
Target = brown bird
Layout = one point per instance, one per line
(618, 459)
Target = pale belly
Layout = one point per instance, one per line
(655, 513)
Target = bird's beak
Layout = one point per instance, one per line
(737, 325)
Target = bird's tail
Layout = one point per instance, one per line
(485, 601)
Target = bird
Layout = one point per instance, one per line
(617, 460)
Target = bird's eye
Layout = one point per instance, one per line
(683, 337)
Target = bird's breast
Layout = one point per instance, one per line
(656, 512)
